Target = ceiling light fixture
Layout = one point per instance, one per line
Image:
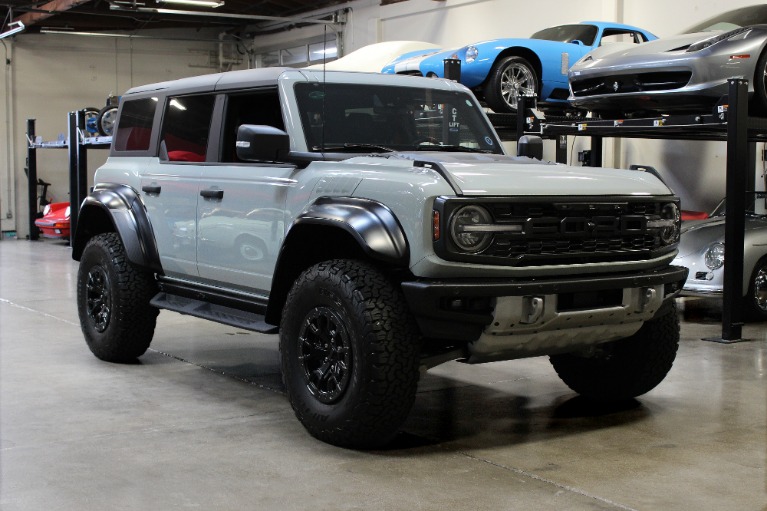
(19, 26)
(197, 3)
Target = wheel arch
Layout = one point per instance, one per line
(527, 54)
(331, 228)
(118, 208)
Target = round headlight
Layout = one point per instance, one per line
(468, 228)
(715, 256)
(47, 209)
(67, 212)
(471, 54)
(670, 234)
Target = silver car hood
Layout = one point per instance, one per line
(651, 47)
(697, 235)
(496, 175)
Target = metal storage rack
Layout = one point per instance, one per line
(729, 123)
(78, 165)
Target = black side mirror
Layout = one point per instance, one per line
(530, 146)
(261, 143)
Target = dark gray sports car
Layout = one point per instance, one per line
(701, 250)
(687, 72)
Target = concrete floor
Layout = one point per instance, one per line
(202, 422)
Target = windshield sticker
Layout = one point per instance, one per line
(454, 124)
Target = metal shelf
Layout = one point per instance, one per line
(78, 166)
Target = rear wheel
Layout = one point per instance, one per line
(626, 368)
(509, 78)
(113, 301)
(350, 354)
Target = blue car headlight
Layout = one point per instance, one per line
(471, 54)
(714, 256)
(702, 45)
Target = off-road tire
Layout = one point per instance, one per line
(498, 92)
(623, 369)
(349, 351)
(113, 301)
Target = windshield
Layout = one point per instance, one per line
(754, 15)
(365, 118)
(756, 205)
(568, 33)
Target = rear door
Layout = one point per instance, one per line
(170, 186)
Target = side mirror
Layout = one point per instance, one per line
(530, 146)
(261, 143)
(577, 42)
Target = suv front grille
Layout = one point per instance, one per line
(562, 232)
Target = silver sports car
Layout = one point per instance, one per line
(701, 250)
(687, 72)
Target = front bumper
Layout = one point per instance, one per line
(504, 319)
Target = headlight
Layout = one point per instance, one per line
(471, 54)
(469, 228)
(46, 209)
(670, 234)
(701, 45)
(669, 224)
(715, 256)
(67, 211)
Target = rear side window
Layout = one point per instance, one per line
(185, 127)
(134, 130)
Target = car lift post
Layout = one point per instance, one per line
(32, 179)
(735, 219)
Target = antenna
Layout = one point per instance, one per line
(324, 63)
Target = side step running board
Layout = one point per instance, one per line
(219, 313)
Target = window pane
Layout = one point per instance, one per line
(135, 125)
(262, 108)
(185, 127)
(319, 52)
(294, 56)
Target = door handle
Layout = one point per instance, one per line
(153, 189)
(212, 194)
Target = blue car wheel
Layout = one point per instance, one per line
(510, 78)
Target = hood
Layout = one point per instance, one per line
(495, 174)
(699, 234)
(665, 44)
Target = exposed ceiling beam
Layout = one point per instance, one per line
(50, 9)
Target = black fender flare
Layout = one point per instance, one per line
(371, 223)
(118, 208)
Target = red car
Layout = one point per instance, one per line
(55, 221)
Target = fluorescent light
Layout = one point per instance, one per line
(198, 3)
(13, 30)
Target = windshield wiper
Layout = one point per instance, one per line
(450, 148)
(353, 148)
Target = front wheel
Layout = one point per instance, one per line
(626, 368)
(113, 301)
(510, 78)
(350, 354)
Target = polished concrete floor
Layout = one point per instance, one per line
(202, 422)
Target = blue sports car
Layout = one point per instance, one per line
(500, 70)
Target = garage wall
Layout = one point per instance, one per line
(51, 75)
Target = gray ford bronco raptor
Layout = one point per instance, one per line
(375, 222)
